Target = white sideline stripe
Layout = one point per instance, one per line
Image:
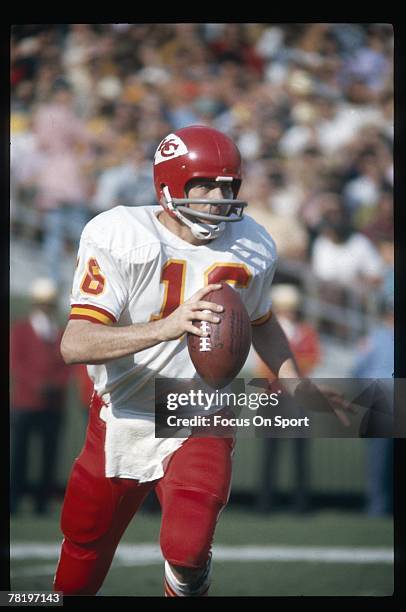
(32, 571)
(150, 554)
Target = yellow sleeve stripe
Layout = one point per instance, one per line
(90, 314)
(263, 319)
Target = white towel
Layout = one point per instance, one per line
(131, 449)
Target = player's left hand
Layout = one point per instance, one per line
(322, 398)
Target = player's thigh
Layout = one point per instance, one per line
(88, 506)
(192, 494)
(95, 505)
(201, 464)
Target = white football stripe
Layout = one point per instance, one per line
(33, 570)
(150, 554)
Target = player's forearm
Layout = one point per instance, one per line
(289, 372)
(90, 343)
(272, 345)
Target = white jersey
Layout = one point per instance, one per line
(132, 269)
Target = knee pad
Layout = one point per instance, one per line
(188, 522)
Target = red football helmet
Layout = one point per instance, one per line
(191, 153)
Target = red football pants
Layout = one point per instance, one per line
(97, 510)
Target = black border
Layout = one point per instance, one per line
(367, 603)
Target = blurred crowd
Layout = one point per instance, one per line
(309, 105)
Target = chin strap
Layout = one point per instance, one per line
(211, 231)
(201, 231)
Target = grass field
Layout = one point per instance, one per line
(324, 553)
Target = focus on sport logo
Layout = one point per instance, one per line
(170, 147)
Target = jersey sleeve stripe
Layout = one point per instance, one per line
(86, 318)
(102, 311)
(263, 319)
(90, 315)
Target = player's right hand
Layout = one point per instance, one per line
(194, 309)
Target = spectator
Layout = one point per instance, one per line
(380, 227)
(302, 336)
(368, 66)
(62, 190)
(232, 46)
(364, 191)
(80, 47)
(25, 162)
(380, 232)
(375, 359)
(304, 341)
(387, 251)
(289, 234)
(343, 256)
(128, 181)
(39, 379)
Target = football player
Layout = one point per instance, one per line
(141, 279)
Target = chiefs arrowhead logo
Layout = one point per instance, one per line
(170, 147)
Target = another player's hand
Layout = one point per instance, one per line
(194, 309)
(322, 398)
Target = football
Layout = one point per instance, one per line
(219, 357)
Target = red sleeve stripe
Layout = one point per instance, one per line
(86, 318)
(263, 319)
(91, 313)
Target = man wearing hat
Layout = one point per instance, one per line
(304, 342)
(39, 380)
